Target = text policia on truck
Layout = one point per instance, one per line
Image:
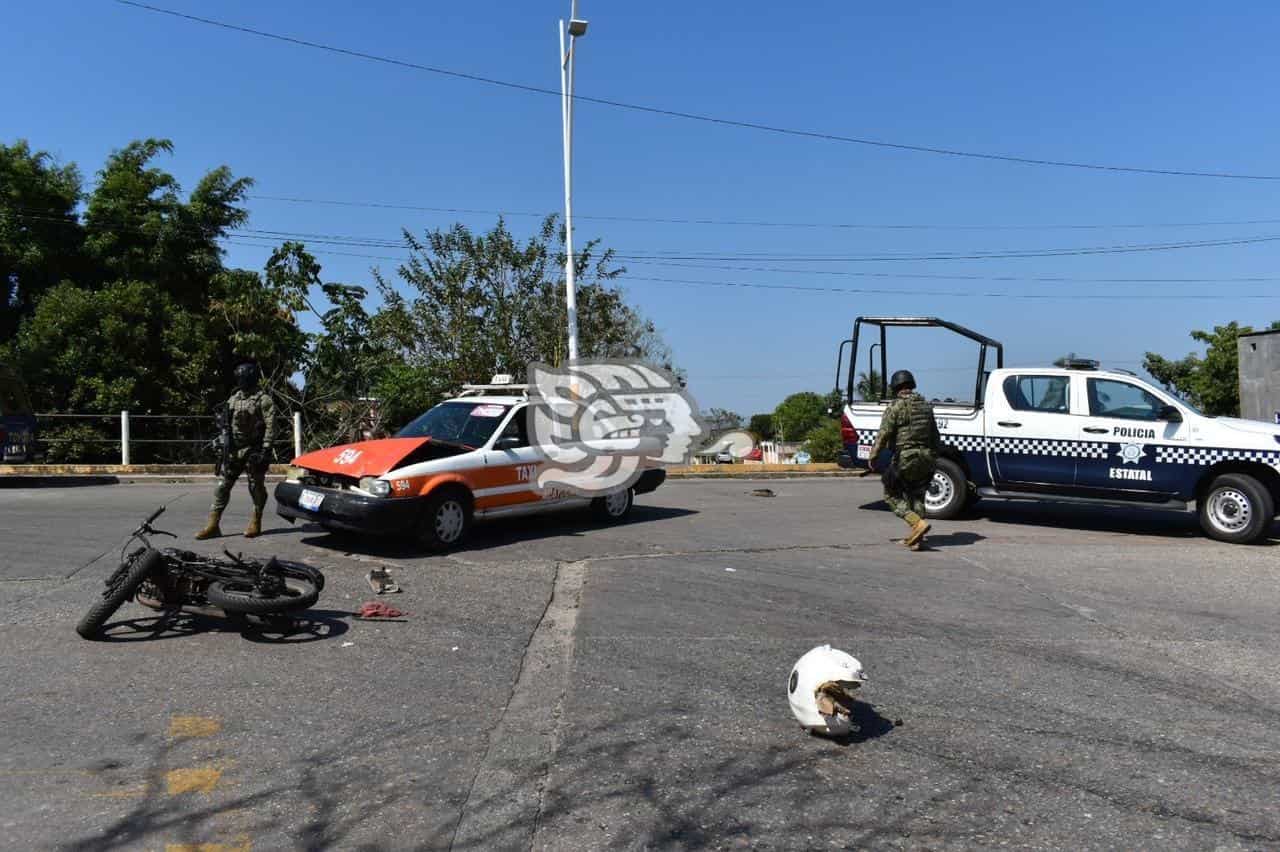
(1076, 433)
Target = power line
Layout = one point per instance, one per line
(709, 119)
(251, 238)
(755, 223)
(703, 261)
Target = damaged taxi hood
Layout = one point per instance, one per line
(366, 458)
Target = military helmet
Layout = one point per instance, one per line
(902, 379)
(247, 375)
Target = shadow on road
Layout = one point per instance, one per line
(1158, 522)
(485, 535)
(868, 724)
(308, 626)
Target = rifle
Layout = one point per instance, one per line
(222, 443)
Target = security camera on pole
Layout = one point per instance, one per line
(576, 29)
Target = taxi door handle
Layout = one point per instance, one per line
(1008, 425)
(1094, 430)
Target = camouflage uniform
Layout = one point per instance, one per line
(251, 419)
(908, 427)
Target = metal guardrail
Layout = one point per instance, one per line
(125, 439)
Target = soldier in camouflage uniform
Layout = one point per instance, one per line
(909, 429)
(251, 419)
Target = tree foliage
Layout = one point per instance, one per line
(823, 443)
(798, 414)
(119, 299)
(1211, 383)
(720, 420)
(761, 425)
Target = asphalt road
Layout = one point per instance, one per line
(1041, 678)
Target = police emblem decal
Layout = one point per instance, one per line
(1131, 453)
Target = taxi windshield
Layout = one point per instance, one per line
(468, 424)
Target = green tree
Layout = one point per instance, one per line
(1211, 383)
(823, 443)
(481, 304)
(40, 238)
(799, 413)
(761, 425)
(722, 420)
(138, 227)
(868, 386)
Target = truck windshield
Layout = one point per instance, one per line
(469, 424)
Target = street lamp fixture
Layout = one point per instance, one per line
(577, 28)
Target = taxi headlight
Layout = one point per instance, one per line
(376, 487)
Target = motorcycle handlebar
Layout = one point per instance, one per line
(157, 513)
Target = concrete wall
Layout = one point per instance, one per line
(1260, 376)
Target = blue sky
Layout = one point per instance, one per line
(1179, 86)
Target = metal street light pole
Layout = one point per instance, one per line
(576, 28)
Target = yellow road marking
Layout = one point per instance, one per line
(194, 726)
(198, 779)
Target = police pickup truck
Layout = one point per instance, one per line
(1076, 433)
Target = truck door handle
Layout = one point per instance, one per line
(1094, 430)
(1008, 425)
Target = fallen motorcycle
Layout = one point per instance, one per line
(168, 578)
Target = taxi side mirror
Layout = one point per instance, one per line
(506, 442)
(1170, 413)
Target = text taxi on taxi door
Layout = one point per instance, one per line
(467, 458)
(1078, 433)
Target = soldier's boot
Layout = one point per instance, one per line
(919, 526)
(211, 529)
(255, 524)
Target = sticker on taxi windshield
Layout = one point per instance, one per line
(487, 411)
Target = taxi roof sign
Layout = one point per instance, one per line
(501, 379)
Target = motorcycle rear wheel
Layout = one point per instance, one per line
(119, 592)
(240, 596)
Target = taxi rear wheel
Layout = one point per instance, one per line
(445, 519)
(1236, 508)
(614, 508)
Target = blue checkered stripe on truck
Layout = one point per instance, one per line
(1205, 456)
(1014, 446)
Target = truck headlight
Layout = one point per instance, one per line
(376, 487)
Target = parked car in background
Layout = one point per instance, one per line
(17, 421)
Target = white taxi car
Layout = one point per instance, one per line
(467, 458)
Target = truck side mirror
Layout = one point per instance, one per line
(1170, 413)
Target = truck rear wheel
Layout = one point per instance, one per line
(948, 491)
(1236, 508)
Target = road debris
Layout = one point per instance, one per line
(762, 492)
(381, 582)
(378, 610)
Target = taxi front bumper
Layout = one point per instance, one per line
(344, 510)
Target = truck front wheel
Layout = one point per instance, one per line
(948, 491)
(1236, 508)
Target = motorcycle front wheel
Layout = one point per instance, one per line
(120, 588)
(241, 596)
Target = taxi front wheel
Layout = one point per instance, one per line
(1236, 508)
(615, 507)
(445, 518)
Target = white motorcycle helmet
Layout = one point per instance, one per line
(821, 690)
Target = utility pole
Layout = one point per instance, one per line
(576, 28)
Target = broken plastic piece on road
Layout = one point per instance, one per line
(378, 609)
(347, 644)
(381, 583)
